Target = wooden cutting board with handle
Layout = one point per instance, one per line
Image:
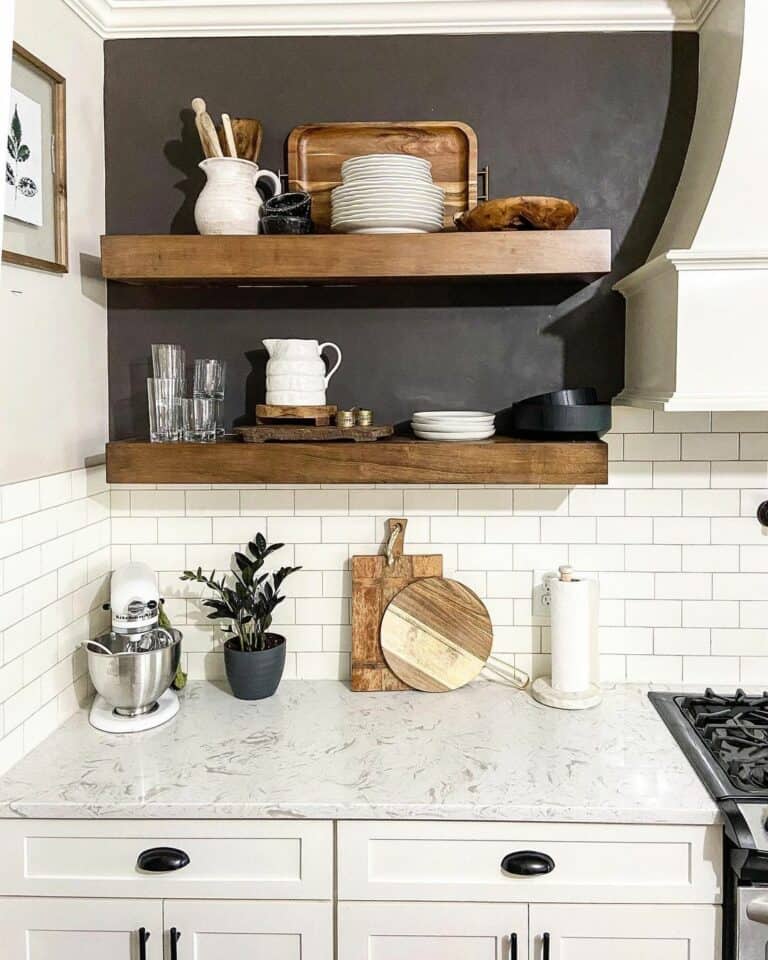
(375, 581)
(436, 635)
(316, 152)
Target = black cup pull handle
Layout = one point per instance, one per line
(162, 860)
(545, 946)
(527, 863)
(762, 513)
(513, 946)
(143, 937)
(175, 937)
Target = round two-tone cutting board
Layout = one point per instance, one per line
(436, 635)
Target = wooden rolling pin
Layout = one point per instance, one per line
(206, 130)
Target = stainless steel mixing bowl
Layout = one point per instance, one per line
(132, 680)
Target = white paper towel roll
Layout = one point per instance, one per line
(575, 605)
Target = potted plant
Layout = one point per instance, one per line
(254, 658)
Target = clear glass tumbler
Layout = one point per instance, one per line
(199, 416)
(168, 362)
(164, 400)
(209, 378)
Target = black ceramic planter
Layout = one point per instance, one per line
(256, 674)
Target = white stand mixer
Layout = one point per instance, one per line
(134, 665)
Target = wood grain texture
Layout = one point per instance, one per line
(374, 584)
(401, 460)
(271, 411)
(293, 433)
(436, 635)
(248, 136)
(520, 213)
(331, 258)
(316, 152)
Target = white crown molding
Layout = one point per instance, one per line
(113, 19)
(681, 261)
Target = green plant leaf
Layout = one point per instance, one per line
(10, 176)
(23, 153)
(261, 544)
(12, 147)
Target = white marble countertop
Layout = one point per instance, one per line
(316, 750)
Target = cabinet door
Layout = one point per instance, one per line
(592, 932)
(240, 930)
(37, 928)
(432, 931)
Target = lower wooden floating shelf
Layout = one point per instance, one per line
(399, 460)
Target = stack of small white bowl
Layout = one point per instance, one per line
(453, 425)
(387, 193)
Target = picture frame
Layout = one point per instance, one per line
(35, 231)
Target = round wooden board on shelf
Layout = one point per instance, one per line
(436, 635)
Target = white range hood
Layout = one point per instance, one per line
(697, 311)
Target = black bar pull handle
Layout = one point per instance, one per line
(143, 937)
(545, 946)
(513, 946)
(162, 860)
(527, 863)
(175, 937)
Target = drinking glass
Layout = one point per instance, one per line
(209, 382)
(163, 395)
(209, 378)
(168, 362)
(199, 415)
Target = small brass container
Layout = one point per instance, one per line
(345, 418)
(364, 418)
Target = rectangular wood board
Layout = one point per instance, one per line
(374, 584)
(320, 415)
(316, 152)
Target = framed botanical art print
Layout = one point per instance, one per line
(35, 225)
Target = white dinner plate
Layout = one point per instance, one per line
(453, 427)
(453, 414)
(374, 175)
(386, 226)
(454, 437)
(385, 185)
(391, 209)
(393, 159)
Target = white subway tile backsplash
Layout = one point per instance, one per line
(673, 540)
(710, 446)
(651, 446)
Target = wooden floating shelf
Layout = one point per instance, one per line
(400, 460)
(346, 259)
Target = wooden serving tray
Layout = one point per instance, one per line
(316, 152)
(321, 416)
(301, 433)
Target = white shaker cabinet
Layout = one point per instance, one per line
(237, 930)
(597, 932)
(432, 931)
(35, 928)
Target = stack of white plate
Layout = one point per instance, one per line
(453, 425)
(387, 193)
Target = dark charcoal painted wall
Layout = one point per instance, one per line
(601, 119)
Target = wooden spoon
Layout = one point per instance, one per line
(229, 136)
(206, 130)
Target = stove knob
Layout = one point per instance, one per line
(762, 513)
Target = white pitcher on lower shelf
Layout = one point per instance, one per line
(296, 373)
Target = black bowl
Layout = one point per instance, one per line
(297, 204)
(564, 398)
(551, 422)
(282, 224)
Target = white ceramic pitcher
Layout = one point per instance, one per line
(296, 372)
(229, 203)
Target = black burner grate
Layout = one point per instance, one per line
(734, 729)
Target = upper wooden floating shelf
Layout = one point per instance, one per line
(401, 460)
(347, 259)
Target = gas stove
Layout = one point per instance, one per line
(725, 738)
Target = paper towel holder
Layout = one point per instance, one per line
(542, 689)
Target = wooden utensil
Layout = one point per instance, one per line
(436, 635)
(205, 129)
(375, 581)
(229, 136)
(316, 152)
(248, 136)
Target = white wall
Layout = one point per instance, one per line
(6, 39)
(53, 329)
